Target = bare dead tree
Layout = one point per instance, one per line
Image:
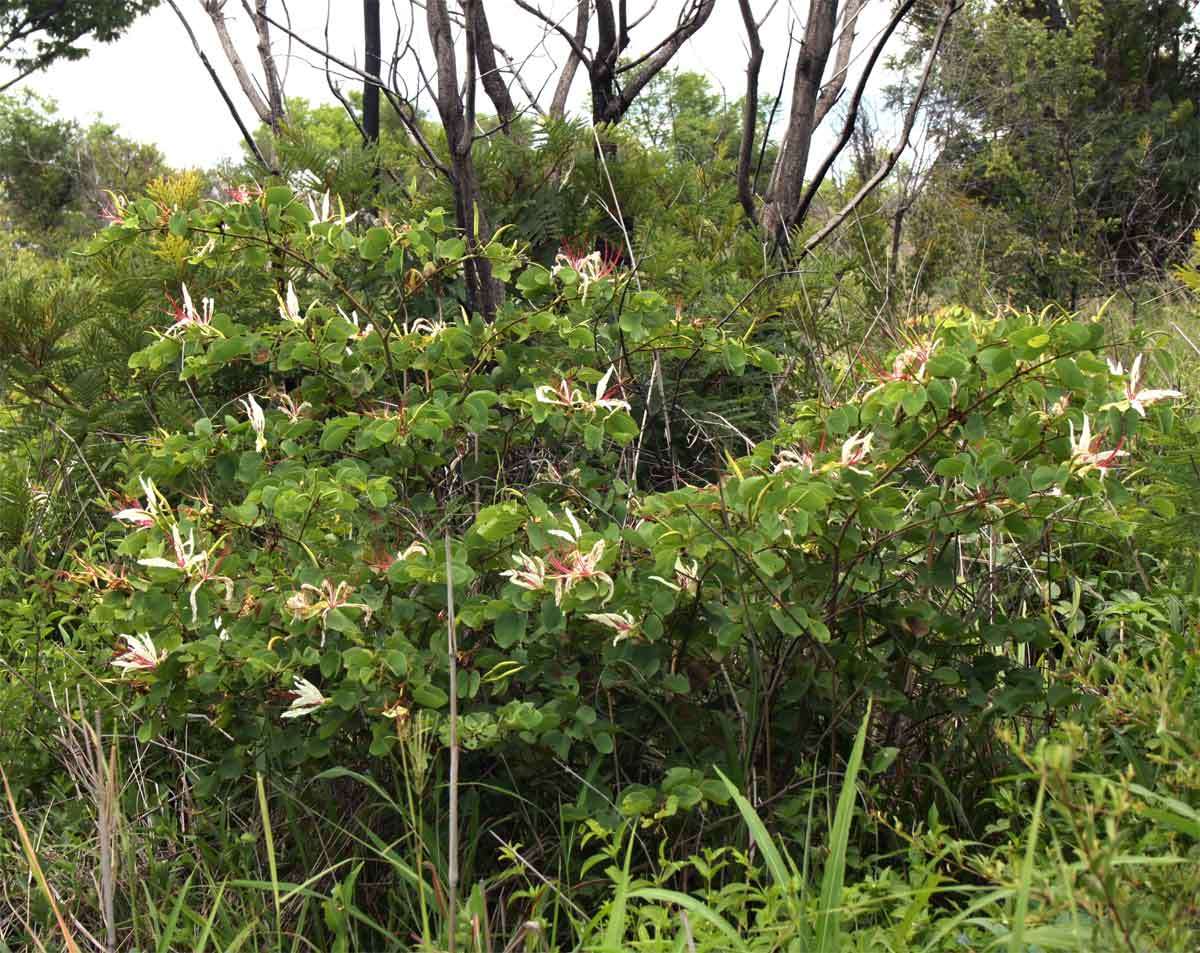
(216, 13)
(616, 82)
(791, 190)
(949, 8)
(558, 105)
(268, 105)
(841, 60)
(397, 98)
(275, 102)
(745, 187)
(787, 179)
(485, 59)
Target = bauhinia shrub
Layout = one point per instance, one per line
(282, 576)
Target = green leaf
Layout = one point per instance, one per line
(336, 431)
(509, 629)
(996, 360)
(1043, 478)
(947, 364)
(950, 467)
(374, 244)
(499, 521)
(429, 696)
(914, 401)
(839, 420)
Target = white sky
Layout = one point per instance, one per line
(153, 86)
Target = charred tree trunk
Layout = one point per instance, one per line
(457, 112)
(372, 61)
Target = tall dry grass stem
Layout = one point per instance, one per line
(452, 848)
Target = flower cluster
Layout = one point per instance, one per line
(142, 516)
(289, 305)
(622, 623)
(241, 194)
(589, 266)
(687, 577)
(306, 698)
(258, 421)
(384, 563)
(855, 450)
(565, 567)
(909, 365)
(195, 564)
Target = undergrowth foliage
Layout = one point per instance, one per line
(667, 617)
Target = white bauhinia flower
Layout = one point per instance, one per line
(312, 601)
(565, 394)
(142, 516)
(192, 563)
(561, 394)
(576, 530)
(289, 406)
(360, 331)
(530, 572)
(186, 557)
(1139, 398)
(306, 698)
(187, 316)
(258, 421)
(794, 460)
(140, 655)
(289, 305)
(855, 450)
(425, 327)
(604, 395)
(687, 577)
(622, 623)
(1086, 452)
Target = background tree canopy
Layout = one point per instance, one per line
(34, 35)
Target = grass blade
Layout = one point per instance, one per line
(1016, 940)
(828, 914)
(615, 931)
(270, 839)
(206, 932)
(762, 838)
(167, 938)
